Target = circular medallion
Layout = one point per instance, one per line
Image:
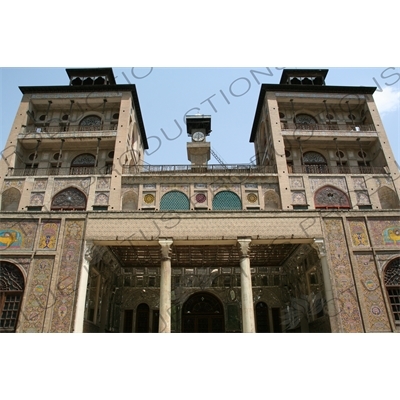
(149, 198)
(252, 197)
(201, 198)
(375, 310)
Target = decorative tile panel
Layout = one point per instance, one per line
(358, 233)
(346, 296)
(103, 183)
(40, 184)
(65, 292)
(371, 297)
(49, 234)
(37, 296)
(17, 235)
(385, 232)
(316, 183)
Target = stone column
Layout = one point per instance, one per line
(83, 281)
(319, 245)
(246, 288)
(165, 286)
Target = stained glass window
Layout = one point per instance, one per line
(11, 290)
(392, 283)
(69, 199)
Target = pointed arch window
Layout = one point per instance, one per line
(330, 197)
(12, 285)
(392, 283)
(10, 199)
(69, 199)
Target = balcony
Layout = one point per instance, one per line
(328, 129)
(51, 171)
(325, 169)
(65, 131)
(234, 169)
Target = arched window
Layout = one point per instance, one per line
(142, 318)
(12, 287)
(10, 199)
(392, 283)
(83, 164)
(271, 200)
(90, 123)
(174, 201)
(130, 201)
(69, 199)
(330, 197)
(304, 121)
(226, 200)
(315, 163)
(388, 198)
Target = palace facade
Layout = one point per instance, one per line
(93, 239)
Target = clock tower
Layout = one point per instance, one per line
(198, 128)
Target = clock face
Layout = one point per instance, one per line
(198, 136)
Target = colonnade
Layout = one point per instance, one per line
(245, 280)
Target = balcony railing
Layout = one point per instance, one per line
(325, 169)
(207, 169)
(59, 171)
(70, 128)
(328, 127)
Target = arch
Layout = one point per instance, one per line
(331, 197)
(388, 198)
(12, 286)
(84, 160)
(272, 200)
(226, 200)
(203, 313)
(315, 163)
(90, 123)
(392, 284)
(83, 164)
(262, 318)
(174, 201)
(313, 158)
(69, 199)
(303, 120)
(130, 201)
(10, 199)
(142, 318)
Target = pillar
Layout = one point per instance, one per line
(83, 281)
(319, 245)
(165, 286)
(246, 288)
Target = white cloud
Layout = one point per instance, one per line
(388, 100)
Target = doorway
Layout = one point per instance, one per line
(203, 313)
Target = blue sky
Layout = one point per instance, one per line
(229, 95)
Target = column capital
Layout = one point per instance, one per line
(244, 246)
(166, 248)
(89, 247)
(319, 245)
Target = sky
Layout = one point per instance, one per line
(229, 95)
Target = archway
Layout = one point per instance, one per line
(203, 313)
